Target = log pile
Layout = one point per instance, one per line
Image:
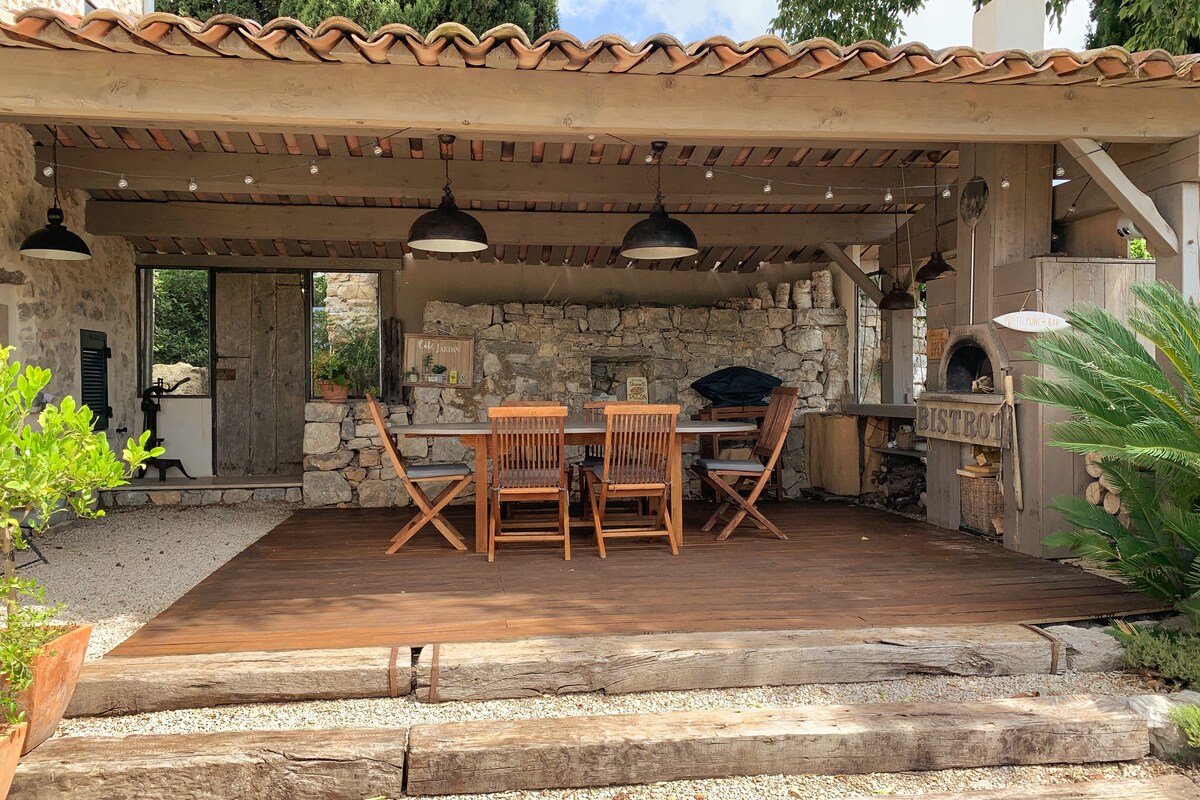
(1101, 491)
(901, 483)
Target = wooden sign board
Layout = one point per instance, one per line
(970, 423)
(636, 390)
(936, 340)
(438, 360)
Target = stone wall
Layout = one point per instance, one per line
(551, 351)
(351, 303)
(44, 304)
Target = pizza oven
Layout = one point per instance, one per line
(975, 361)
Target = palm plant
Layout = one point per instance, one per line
(1143, 419)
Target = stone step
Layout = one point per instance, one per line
(623, 664)
(577, 752)
(112, 686)
(298, 765)
(1169, 787)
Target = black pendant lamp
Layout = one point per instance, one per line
(897, 299)
(55, 241)
(659, 237)
(936, 267)
(447, 229)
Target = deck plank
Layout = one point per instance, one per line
(321, 580)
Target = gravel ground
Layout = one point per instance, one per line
(120, 570)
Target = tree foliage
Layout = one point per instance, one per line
(1173, 25)
(181, 331)
(1144, 420)
(535, 16)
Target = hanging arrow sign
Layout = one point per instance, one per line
(1032, 321)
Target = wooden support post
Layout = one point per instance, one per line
(1180, 206)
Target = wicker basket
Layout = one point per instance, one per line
(982, 499)
(906, 439)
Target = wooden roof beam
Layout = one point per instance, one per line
(853, 271)
(215, 93)
(342, 223)
(488, 181)
(1124, 193)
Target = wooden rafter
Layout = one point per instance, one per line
(853, 271)
(235, 221)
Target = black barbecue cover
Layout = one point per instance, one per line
(736, 386)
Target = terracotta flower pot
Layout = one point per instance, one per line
(333, 392)
(55, 673)
(11, 739)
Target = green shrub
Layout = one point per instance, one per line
(1172, 655)
(1188, 719)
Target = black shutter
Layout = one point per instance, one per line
(93, 371)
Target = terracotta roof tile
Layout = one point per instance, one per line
(338, 39)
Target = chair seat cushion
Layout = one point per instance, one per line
(438, 471)
(643, 475)
(729, 465)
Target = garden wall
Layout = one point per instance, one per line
(573, 352)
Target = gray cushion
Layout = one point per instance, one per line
(729, 465)
(438, 470)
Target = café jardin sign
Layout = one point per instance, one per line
(967, 421)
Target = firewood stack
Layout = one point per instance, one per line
(1101, 491)
(901, 483)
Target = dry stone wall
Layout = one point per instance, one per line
(568, 353)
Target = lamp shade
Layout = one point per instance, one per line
(658, 238)
(447, 229)
(897, 299)
(936, 267)
(55, 241)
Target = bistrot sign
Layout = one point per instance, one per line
(970, 423)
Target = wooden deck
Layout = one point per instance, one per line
(321, 579)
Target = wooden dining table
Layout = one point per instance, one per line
(579, 431)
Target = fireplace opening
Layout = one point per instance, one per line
(609, 376)
(965, 368)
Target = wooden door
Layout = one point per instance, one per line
(261, 373)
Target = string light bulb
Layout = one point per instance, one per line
(313, 169)
(829, 193)
(1005, 182)
(767, 188)
(708, 174)
(1071, 209)
(887, 196)
(48, 170)
(192, 185)
(377, 150)
(649, 158)
(946, 193)
(249, 179)
(1059, 171)
(122, 183)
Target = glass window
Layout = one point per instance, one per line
(345, 330)
(179, 328)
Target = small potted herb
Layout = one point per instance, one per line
(332, 376)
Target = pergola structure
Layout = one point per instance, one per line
(233, 144)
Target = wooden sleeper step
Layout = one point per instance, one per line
(1169, 787)
(338, 764)
(659, 662)
(470, 757)
(116, 685)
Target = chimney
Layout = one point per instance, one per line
(1010, 25)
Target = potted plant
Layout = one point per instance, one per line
(332, 375)
(60, 459)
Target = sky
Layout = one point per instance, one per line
(941, 23)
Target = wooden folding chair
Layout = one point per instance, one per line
(529, 465)
(637, 448)
(528, 404)
(739, 483)
(593, 454)
(456, 476)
